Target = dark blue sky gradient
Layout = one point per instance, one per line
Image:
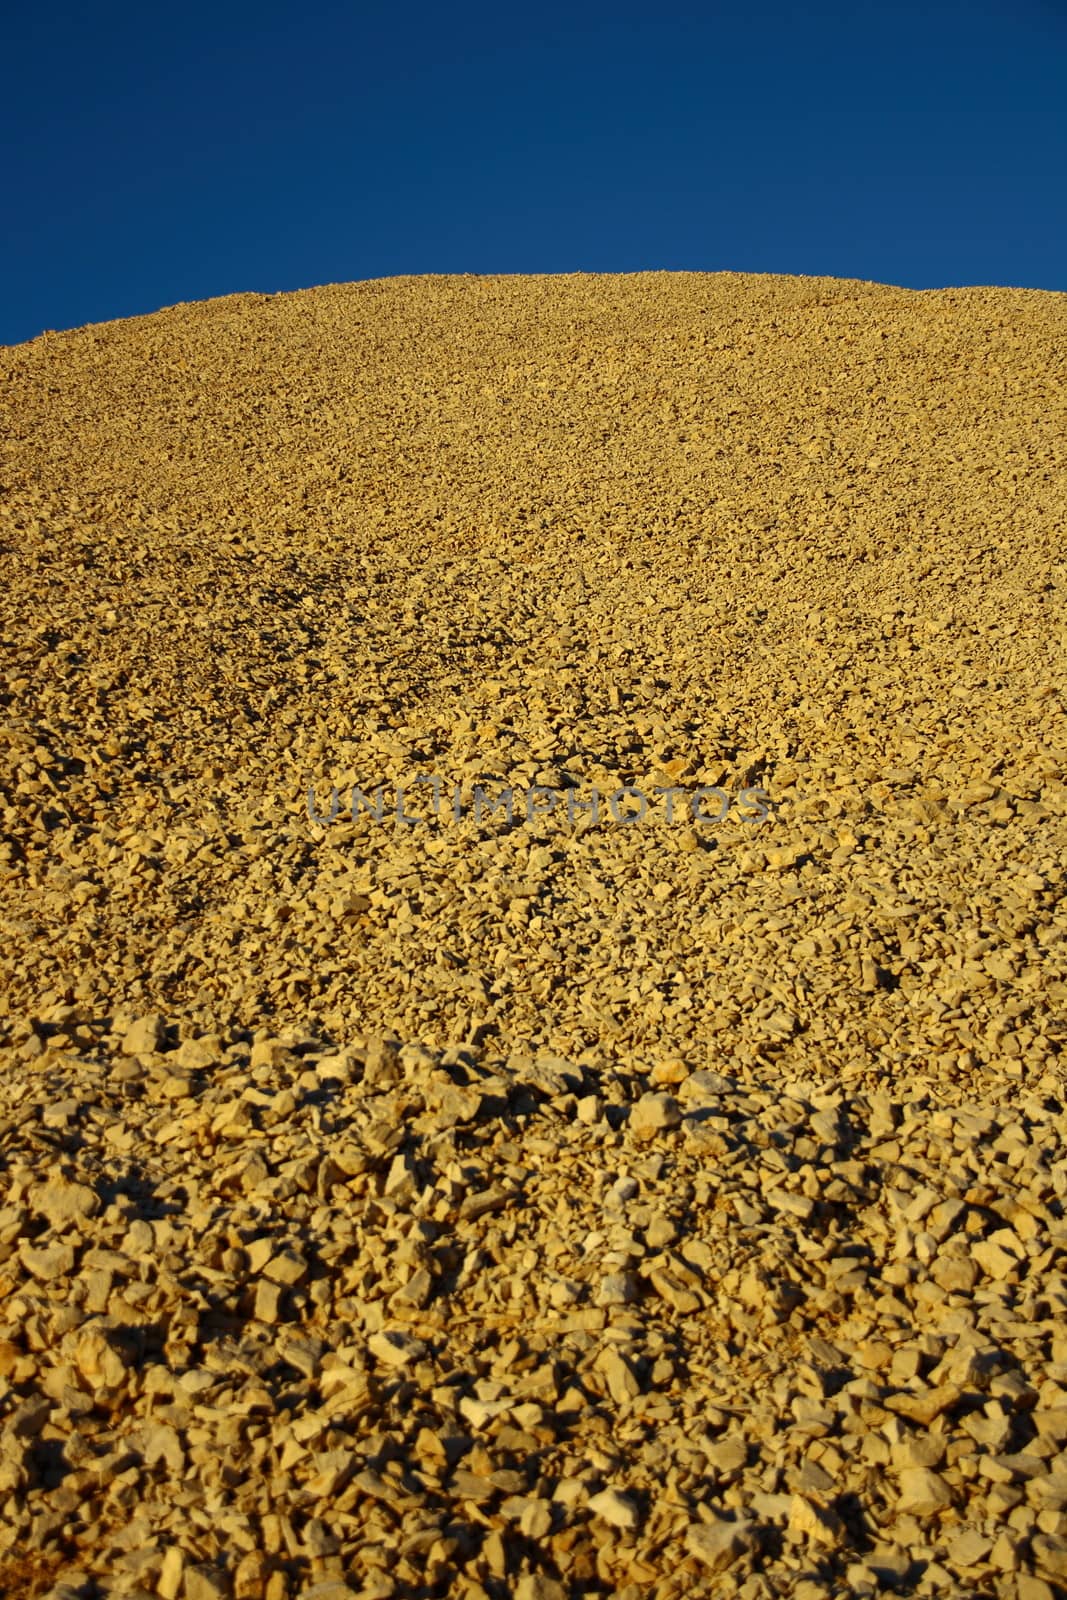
(160, 155)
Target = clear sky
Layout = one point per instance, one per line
(162, 154)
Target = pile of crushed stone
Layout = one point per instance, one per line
(533, 945)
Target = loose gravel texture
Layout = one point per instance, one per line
(518, 1209)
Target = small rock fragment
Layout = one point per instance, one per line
(654, 1113)
(718, 1545)
(620, 1510)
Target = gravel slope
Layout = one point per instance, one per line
(563, 1204)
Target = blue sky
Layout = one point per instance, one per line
(155, 155)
